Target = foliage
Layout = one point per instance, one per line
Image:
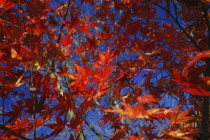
(112, 69)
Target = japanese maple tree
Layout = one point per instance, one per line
(112, 69)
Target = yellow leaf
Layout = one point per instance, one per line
(37, 65)
(153, 52)
(72, 76)
(178, 134)
(149, 70)
(17, 83)
(13, 53)
(153, 111)
(131, 112)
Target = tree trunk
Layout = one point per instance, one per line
(205, 109)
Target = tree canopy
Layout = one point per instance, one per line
(104, 69)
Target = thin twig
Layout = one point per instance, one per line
(64, 18)
(3, 102)
(179, 25)
(34, 102)
(62, 26)
(34, 115)
(92, 129)
(175, 9)
(3, 111)
(7, 21)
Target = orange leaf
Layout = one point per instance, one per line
(178, 134)
(148, 98)
(149, 70)
(14, 53)
(195, 91)
(194, 60)
(179, 118)
(153, 52)
(182, 117)
(159, 112)
(104, 58)
(173, 115)
(6, 5)
(131, 112)
(2, 3)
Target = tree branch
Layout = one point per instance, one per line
(13, 133)
(7, 21)
(205, 11)
(93, 130)
(179, 25)
(64, 18)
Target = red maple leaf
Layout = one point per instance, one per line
(57, 127)
(66, 41)
(85, 27)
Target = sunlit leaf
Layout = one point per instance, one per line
(147, 98)
(2, 3)
(178, 134)
(18, 82)
(14, 53)
(131, 112)
(195, 91)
